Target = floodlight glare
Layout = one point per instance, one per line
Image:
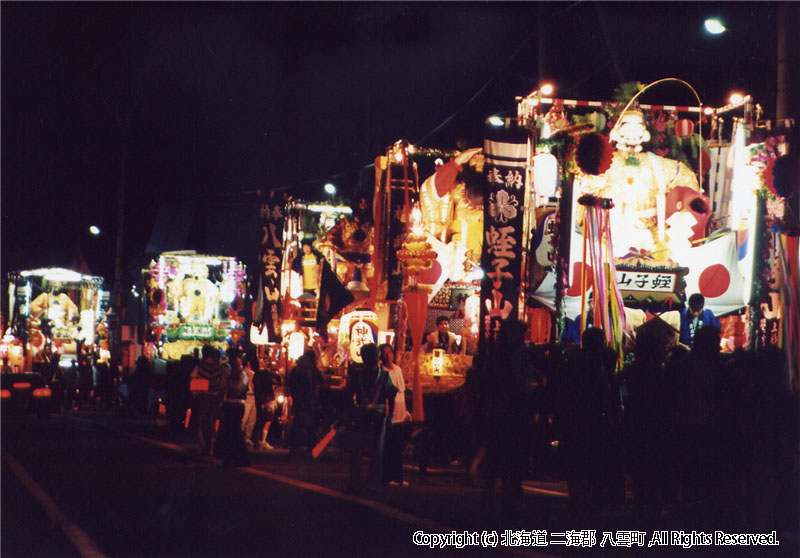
(714, 26)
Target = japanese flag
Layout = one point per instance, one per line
(714, 273)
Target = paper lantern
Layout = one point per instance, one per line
(684, 128)
(431, 275)
(545, 174)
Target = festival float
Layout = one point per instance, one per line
(54, 313)
(300, 291)
(192, 299)
(609, 213)
(652, 203)
(574, 212)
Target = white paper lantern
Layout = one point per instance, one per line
(545, 174)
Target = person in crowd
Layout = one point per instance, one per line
(645, 421)
(264, 382)
(249, 415)
(695, 316)
(369, 397)
(105, 386)
(231, 446)
(504, 404)
(139, 385)
(304, 382)
(208, 381)
(442, 338)
(588, 409)
(397, 431)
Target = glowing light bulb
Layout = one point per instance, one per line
(714, 26)
(496, 121)
(546, 89)
(416, 221)
(736, 99)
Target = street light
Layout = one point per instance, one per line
(736, 99)
(330, 189)
(714, 26)
(94, 230)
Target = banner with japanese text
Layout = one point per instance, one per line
(505, 159)
(266, 313)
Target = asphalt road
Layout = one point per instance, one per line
(90, 484)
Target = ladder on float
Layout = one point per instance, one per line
(308, 310)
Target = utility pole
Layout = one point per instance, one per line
(116, 298)
(782, 101)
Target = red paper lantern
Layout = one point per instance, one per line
(684, 128)
(431, 275)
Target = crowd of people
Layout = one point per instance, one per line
(685, 430)
(691, 433)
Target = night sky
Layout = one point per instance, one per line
(180, 101)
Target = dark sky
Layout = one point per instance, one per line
(186, 100)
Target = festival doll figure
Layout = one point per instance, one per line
(637, 183)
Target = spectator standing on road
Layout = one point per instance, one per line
(209, 379)
(370, 396)
(249, 416)
(264, 382)
(230, 445)
(397, 431)
(303, 382)
(505, 405)
(139, 385)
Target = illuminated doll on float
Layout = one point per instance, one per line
(644, 188)
(58, 307)
(352, 238)
(451, 201)
(198, 295)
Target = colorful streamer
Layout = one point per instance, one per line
(789, 254)
(607, 304)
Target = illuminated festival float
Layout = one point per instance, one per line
(54, 313)
(573, 213)
(589, 212)
(638, 206)
(193, 299)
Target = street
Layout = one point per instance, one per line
(137, 489)
(83, 483)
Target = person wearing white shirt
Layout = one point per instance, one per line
(397, 433)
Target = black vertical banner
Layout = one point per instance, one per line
(271, 214)
(505, 158)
